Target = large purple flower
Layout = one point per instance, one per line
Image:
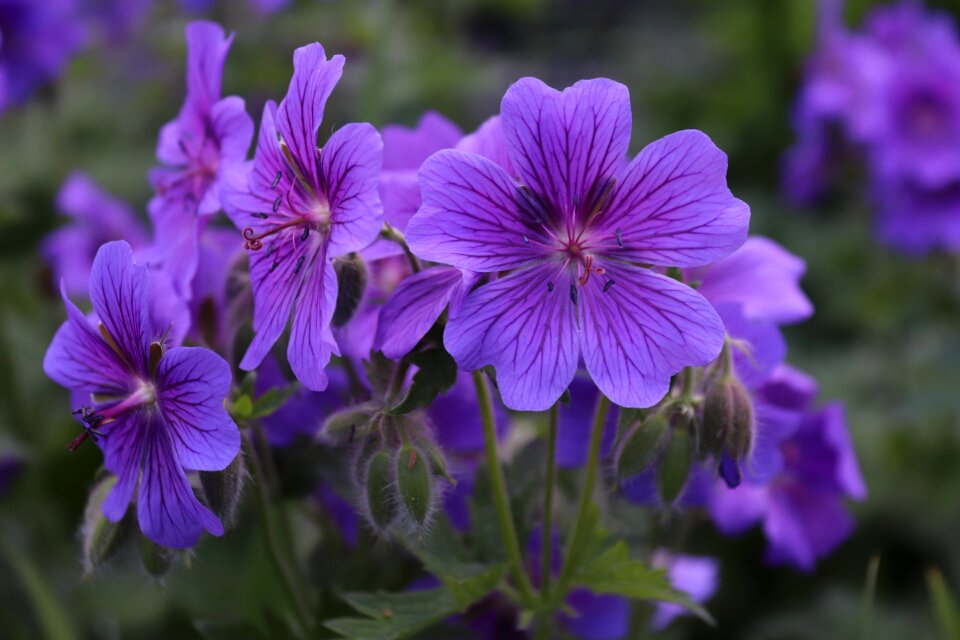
(38, 40)
(572, 229)
(300, 209)
(918, 220)
(154, 412)
(198, 151)
(96, 216)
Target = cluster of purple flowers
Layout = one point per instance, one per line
(889, 94)
(533, 246)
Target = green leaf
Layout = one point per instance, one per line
(944, 605)
(615, 572)
(436, 373)
(267, 403)
(391, 616)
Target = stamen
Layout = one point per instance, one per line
(276, 204)
(607, 285)
(300, 260)
(526, 240)
(550, 287)
(276, 180)
(573, 293)
(306, 232)
(261, 216)
(274, 266)
(619, 238)
(254, 240)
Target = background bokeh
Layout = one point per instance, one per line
(885, 338)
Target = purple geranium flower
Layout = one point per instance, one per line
(802, 505)
(38, 40)
(95, 217)
(695, 575)
(308, 207)
(918, 220)
(199, 150)
(154, 412)
(571, 228)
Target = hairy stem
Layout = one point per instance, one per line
(546, 546)
(579, 536)
(498, 488)
(278, 539)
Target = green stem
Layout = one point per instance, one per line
(393, 235)
(498, 488)
(546, 546)
(279, 542)
(579, 536)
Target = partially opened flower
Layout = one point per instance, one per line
(572, 233)
(154, 412)
(300, 208)
(198, 151)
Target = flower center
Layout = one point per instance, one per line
(144, 395)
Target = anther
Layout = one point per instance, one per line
(276, 180)
(306, 232)
(550, 287)
(276, 204)
(274, 266)
(261, 216)
(607, 285)
(526, 240)
(619, 238)
(573, 293)
(300, 260)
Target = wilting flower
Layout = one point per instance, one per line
(95, 217)
(154, 412)
(572, 231)
(300, 208)
(39, 39)
(199, 151)
(801, 505)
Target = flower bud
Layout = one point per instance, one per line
(640, 446)
(223, 489)
(100, 537)
(381, 507)
(156, 560)
(727, 417)
(351, 283)
(674, 468)
(416, 493)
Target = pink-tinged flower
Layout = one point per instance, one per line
(154, 412)
(198, 151)
(571, 231)
(96, 217)
(300, 208)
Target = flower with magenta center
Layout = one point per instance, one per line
(301, 207)
(154, 412)
(571, 233)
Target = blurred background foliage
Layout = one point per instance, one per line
(885, 338)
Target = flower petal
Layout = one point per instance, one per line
(566, 145)
(350, 169)
(176, 231)
(406, 148)
(412, 309)
(672, 206)
(118, 291)
(763, 277)
(527, 332)
(79, 359)
(193, 383)
(168, 512)
(207, 48)
(311, 339)
(473, 216)
(759, 346)
(122, 447)
(301, 111)
(641, 330)
(489, 141)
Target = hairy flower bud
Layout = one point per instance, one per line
(351, 283)
(416, 492)
(640, 446)
(223, 489)
(380, 506)
(156, 559)
(674, 468)
(728, 426)
(100, 537)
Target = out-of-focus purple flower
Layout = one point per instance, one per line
(300, 209)
(303, 414)
(10, 466)
(918, 220)
(802, 506)
(116, 20)
(37, 40)
(95, 217)
(210, 317)
(697, 576)
(263, 7)
(574, 421)
(571, 230)
(154, 412)
(198, 152)
(342, 512)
